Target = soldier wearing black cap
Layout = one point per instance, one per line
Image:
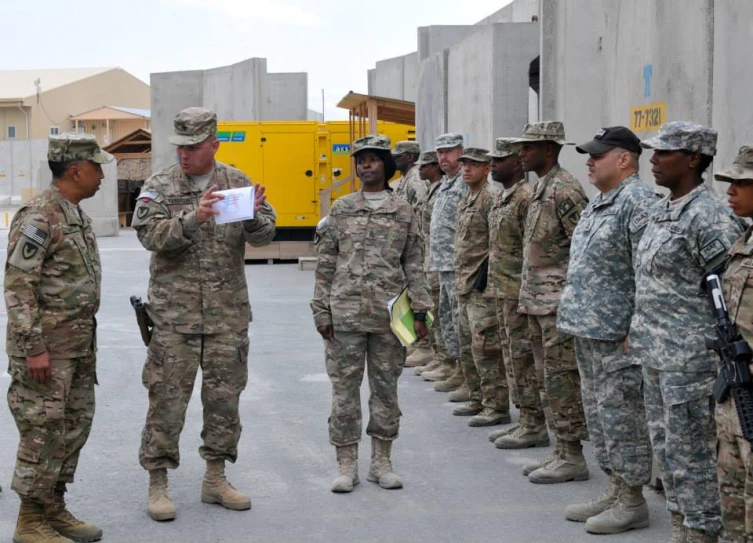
(596, 308)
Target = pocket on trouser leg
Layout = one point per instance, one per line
(152, 374)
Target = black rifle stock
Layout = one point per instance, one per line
(142, 318)
(735, 355)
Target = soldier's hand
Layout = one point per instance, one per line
(260, 197)
(208, 199)
(326, 331)
(39, 366)
(421, 329)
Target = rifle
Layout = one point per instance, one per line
(735, 354)
(142, 318)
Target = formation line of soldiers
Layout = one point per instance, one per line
(587, 315)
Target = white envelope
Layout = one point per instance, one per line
(237, 205)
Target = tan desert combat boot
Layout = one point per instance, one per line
(31, 526)
(581, 512)
(160, 505)
(347, 464)
(629, 512)
(381, 465)
(216, 489)
(570, 466)
(63, 522)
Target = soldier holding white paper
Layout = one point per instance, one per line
(198, 300)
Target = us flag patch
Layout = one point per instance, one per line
(34, 234)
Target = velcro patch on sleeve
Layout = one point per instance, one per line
(564, 206)
(146, 196)
(712, 250)
(640, 220)
(35, 234)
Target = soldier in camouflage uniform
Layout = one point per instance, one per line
(369, 248)
(449, 148)
(481, 356)
(596, 308)
(689, 233)
(198, 300)
(52, 293)
(735, 461)
(506, 221)
(429, 171)
(411, 188)
(557, 203)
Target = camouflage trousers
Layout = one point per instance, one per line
(347, 357)
(481, 357)
(172, 363)
(612, 388)
(680, 414)
(54, 420)
(735, 473)
(435, 332)
(555, 353)
(520, 365)
(448, 313)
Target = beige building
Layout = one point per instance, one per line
(37, 103)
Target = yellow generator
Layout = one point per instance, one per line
(305, 165)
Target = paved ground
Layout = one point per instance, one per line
(458, 487)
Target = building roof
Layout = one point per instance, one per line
(19, 84)
(112, 113)
(137, 142)
(387, 109)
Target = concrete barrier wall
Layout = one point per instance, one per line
(390, 76)
(240, 92)
(488, 82)
(287, 97)
(410, 77)
(433, 39)
(602, 59)
(18, 171)
(519, 11)
(431, 100)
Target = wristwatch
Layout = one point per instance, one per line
(419, 316)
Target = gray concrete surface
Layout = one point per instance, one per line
(287, 96)
(431, 102)
(458, 487)
(517, 11)
(488, 82)
(18, 167)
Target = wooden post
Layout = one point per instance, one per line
(371, 104)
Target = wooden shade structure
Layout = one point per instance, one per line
(366, 111)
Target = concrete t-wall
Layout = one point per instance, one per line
(171, 92)
(287, 97)
(431, 100)
(433, 39)
(488, 82)
(594, 55)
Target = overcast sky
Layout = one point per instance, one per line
(334, 41)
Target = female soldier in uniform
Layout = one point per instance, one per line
(735, 462)
(369, 249)
(688, 233)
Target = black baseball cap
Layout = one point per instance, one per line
(610, 137)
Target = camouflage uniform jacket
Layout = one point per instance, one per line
(598, 300)
(506, 222)
(738, 293)
(472, 237)
(425, 211)
(443, 223)
(197, 279)
(411, 188)
(681, 242)
(53, 278)
(554, 211)
(367, 257)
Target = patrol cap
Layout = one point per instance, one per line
(503, 148)
(68, 147)
(610, 137)
(378, 142)
(683, 136)
(476, 154)
(427, 157)
(448, 141)
(193, 125)
(543, 131)
(742, 167)
(407, 146)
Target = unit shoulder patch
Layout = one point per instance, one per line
(146, 196)
(712, 249)
(565, 206)
(639, 221)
